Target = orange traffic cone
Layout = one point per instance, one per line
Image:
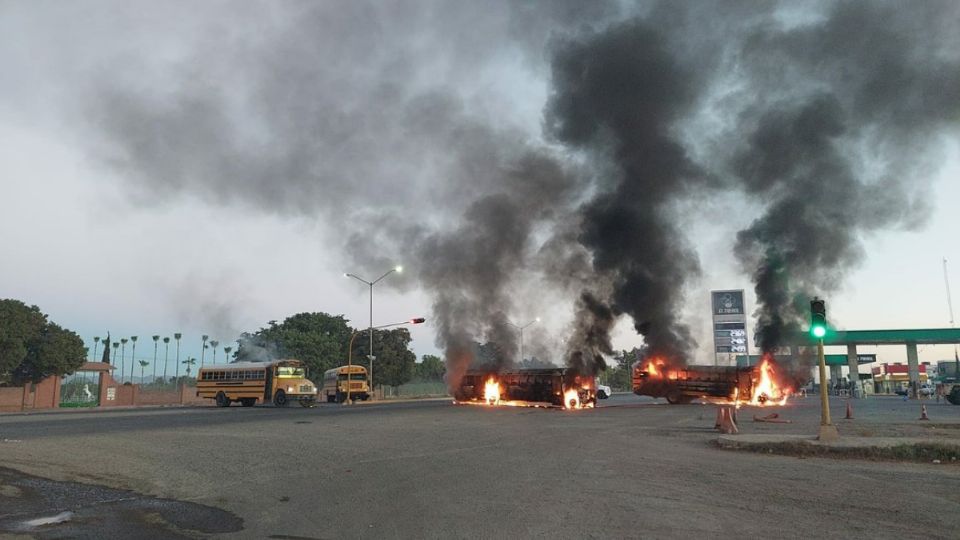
(727, 425)
(849, 415)
(923, 413)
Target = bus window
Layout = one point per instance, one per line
(290, 372)
(353, 377)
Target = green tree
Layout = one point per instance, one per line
(318, 339)
(619, 377)
(430, 368)
(189, 362)
(395, 361)
(33, 348)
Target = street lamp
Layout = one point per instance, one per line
(415, 320)
(398, 269)
(521, 328)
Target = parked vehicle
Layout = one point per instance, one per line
(603, 391)
(280, 382)
(335, 383)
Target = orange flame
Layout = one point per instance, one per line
(652, 369)
(767, 391)
(571, 399)
(491, 391)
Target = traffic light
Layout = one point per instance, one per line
(418, 320)
(818, 318)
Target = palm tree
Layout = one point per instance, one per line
(214, 344)
(176, 364)
(156, 340)
(143, 364)
(133, 357)
(166, 358)
(204, 349)
(96, 342)
(189, 362)
(123, 360)
(226, 352)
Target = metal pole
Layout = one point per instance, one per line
(373, 389)
(956, 357)
(827, 430)
(521, 346)
(349, 368)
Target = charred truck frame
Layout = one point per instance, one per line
(559, 387)
(683, 385)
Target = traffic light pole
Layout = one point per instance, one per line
(828, 431)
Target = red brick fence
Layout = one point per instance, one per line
(47, 393)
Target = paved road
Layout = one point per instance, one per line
(634, 467)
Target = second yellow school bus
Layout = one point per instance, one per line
(278, 382)
(335, 384)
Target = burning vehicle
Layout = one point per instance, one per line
(553, 387)
(759, 385)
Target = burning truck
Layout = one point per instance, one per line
(553, 387)
(750, 385)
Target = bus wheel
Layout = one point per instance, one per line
(675, 397)
(222, 400)
(280, 400)
(248, 402)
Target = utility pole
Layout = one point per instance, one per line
(956, 356)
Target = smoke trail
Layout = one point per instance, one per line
(369, 117)
(840, 143)
(617, 95)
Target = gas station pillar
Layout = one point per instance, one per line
(913, 367)
(854, 367)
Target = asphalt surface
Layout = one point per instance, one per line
(634, 467)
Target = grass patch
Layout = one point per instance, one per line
(919, 452)
(417, 389)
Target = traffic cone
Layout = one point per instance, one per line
(849, 415)
(923, 413)
(727, 425)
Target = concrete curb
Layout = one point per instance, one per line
(752, 441)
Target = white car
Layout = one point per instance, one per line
(603, 391)
(926, 389)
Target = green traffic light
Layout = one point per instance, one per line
(818, 331)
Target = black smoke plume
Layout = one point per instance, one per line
(837, 143)
(617, 95)
(377, 120)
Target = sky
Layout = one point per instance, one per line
(205, 168)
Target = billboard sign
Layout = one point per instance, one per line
(728, 303)
(729, 322)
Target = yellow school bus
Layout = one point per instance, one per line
(278, 382)
(335, 384)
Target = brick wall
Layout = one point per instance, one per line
(11, 399)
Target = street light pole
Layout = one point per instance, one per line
(521, 329)
(416, 320)
(397, 269)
